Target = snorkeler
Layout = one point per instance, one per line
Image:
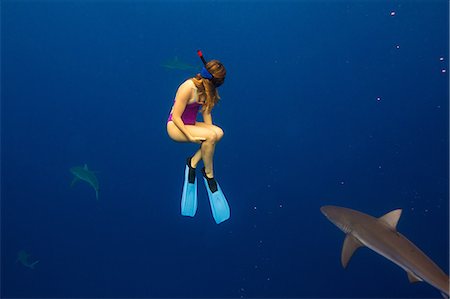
(199, 94)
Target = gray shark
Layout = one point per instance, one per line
(176, 64)
(380, 235)
(22, 257)
(84, 174)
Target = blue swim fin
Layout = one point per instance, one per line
(189, 197)
(217, 200)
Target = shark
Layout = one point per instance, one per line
(381, 236)
(22, 257)
(176, 64)
(82, 173)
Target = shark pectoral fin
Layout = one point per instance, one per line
(391, 218)
(349, 247)
(33, 264)
(413, 277)
(75, 179)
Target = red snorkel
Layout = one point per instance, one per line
(200, 54)
(204, 73)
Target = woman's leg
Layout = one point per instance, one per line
(206, 152)
(196, 158)
(198, 155)
(215, 128)
(208, 160)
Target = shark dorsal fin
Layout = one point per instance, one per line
(85, 167)
(349, 247)
(413, 277)
(391, 218)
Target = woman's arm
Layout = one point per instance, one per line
(207, 117)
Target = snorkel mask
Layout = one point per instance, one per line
(205, 73)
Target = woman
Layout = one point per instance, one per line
(199, 94)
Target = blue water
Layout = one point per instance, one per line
(325, 102)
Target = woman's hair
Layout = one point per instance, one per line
(209, 86)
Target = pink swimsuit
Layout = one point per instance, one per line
(189, 115)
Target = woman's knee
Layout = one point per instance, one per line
(217, 130)
(219, 133)
(211, 136)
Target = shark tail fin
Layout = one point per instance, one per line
(96, 194)
(349, 247)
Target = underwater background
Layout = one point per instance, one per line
(325, 103)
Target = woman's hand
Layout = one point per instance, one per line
(198, 140)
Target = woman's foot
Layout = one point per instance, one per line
(191, 175)
(212, 184)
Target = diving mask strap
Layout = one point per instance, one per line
(205, 74)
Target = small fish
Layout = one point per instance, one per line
(22, 257)
(84, 174)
